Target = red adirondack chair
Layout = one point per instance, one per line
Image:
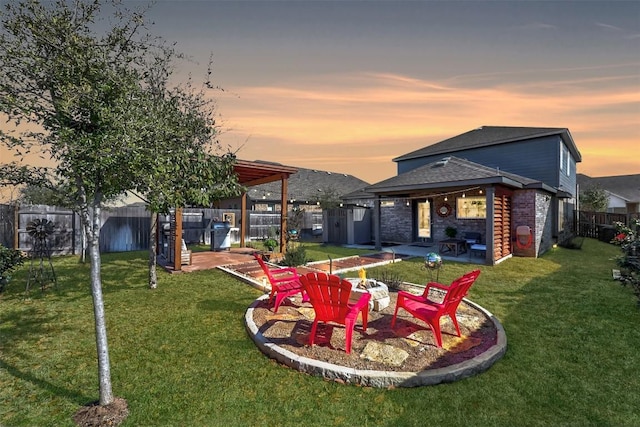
(284, 282)
(429, 311)
(329, 296)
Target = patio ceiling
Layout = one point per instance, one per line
(255, 173)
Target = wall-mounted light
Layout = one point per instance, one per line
(480, 191)
(464, 195)
(408, 202)
(445, 198)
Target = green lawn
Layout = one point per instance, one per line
(181, 357)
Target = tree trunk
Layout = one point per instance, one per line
(91, 219)
(153, 246)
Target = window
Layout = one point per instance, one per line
(471, 207)
(565, 160)
(560, 215)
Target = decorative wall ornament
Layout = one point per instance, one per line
(443, 210)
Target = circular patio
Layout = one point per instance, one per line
(404, 356)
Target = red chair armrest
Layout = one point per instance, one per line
(362, 301)
(436, 285)
(408, 295)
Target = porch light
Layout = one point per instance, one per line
(464, 195)
(446, 198)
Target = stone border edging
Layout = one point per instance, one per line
(372, 378)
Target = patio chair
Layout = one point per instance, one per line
(421, 307)
(472, 237)
(329, 296)
(284, 282)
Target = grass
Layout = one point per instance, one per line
(181, 357)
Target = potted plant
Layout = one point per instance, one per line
(270, 244)
(451, 232)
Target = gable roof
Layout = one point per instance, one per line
(491, 135)
(452, 172)
(309, 185)
(624, 186)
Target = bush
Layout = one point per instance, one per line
(9, 260)
(390, 278)
(628, 238)
(295, 256)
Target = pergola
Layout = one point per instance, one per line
(249, 174)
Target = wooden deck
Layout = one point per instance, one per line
(240, 263)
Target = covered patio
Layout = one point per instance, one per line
(249, 174)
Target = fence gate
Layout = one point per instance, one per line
(337, 226)
(7, 225)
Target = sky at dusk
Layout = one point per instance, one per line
(346, 86)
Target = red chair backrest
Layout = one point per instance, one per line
(264, 267)
(328, 294)
(459, 288)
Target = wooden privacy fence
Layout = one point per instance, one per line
(600, 225)
(127, 228)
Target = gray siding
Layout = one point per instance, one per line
(537, 159)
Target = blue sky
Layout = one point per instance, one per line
(346, 86)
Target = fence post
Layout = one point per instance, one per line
(16, 226)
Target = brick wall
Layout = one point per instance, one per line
(396, 222)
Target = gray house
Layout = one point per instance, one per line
(623, 191)
(515, 187)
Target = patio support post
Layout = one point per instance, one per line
(177, 243)
(243, 218)
(489, 225)
(283, 212)
(376, 223)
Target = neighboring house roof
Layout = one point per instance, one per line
(491, 135)
(624, 186)
(309, 185)
(452, 172)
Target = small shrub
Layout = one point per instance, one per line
(270, 244)
(295, 256)
(573, 243)
(389, 278)
(9, 260)
(451, 232)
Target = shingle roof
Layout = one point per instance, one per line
(309, 185)
(626, 186)
(451, 171)
(491, 135)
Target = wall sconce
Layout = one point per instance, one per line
(445, 198)
(480, 191)
(408, 204)
(341, 205)
(464, 195)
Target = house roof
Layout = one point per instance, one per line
(309, 185)
(255, 173)
(491, 135)
(452, 172)
(624, 186)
